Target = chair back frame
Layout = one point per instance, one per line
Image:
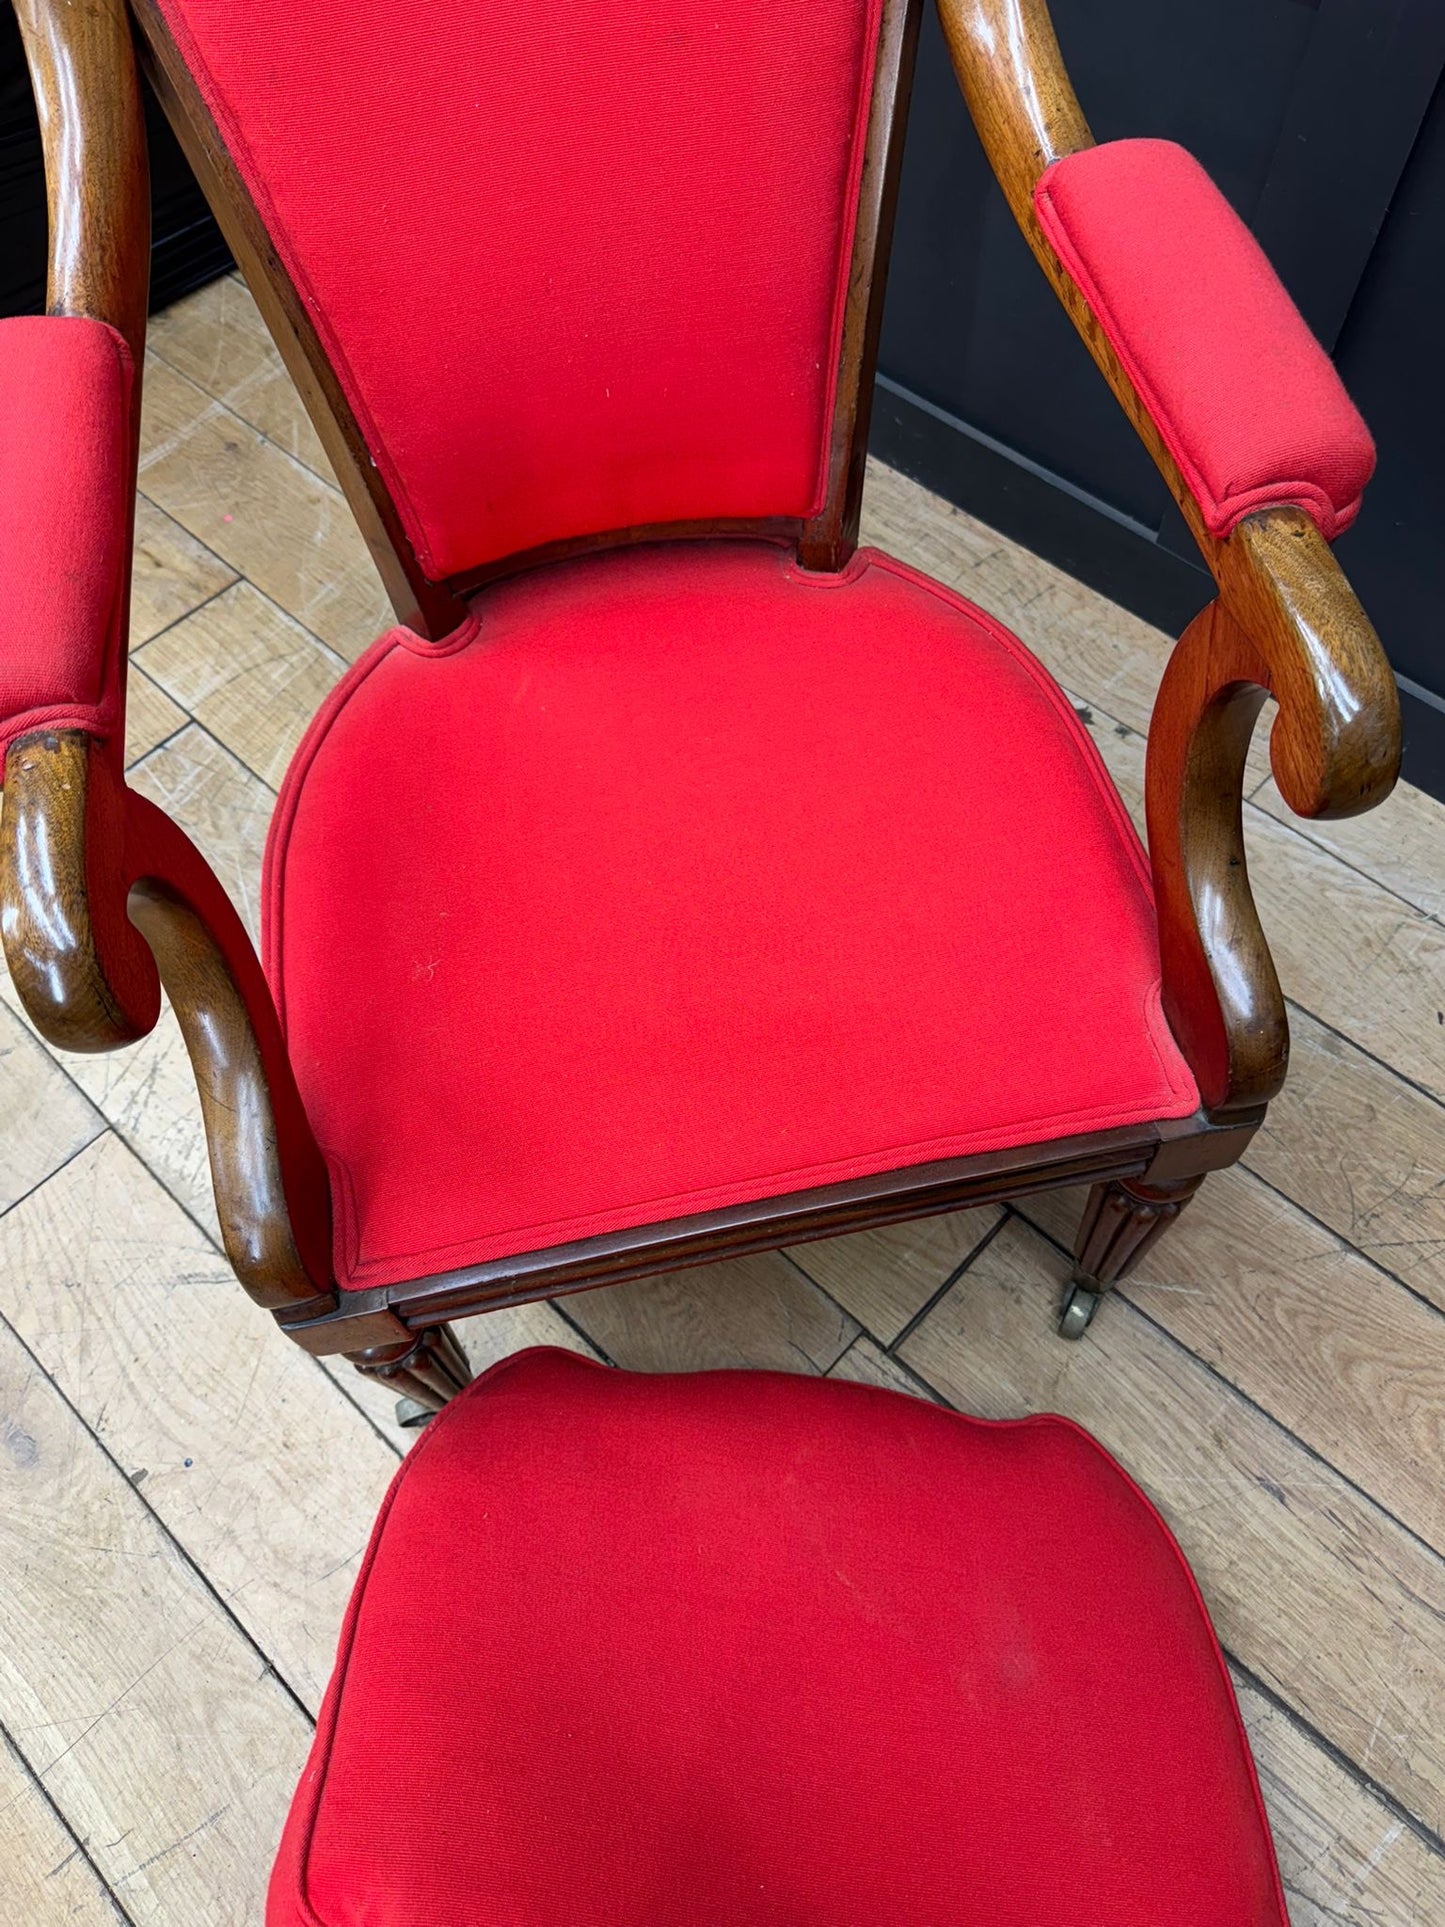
(824, 541)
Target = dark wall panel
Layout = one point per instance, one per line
(1389, 354)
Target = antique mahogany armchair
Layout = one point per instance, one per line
(675, 879)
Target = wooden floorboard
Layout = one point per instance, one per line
(246, 671)
(266, 515)
(48, 1874)
(184, 1497)
(1337, 1350)
(155, 1725)
(134, 1315)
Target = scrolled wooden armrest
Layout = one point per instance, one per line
(102, 900)
(1335, 745)
(1285, 623)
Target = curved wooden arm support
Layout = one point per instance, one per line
(1221, 994)
(1023, 104)
(103, 900)
(1286, 623)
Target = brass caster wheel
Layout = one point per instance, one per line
(411, 1413)
(1077, 1311)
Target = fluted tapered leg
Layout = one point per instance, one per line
(1121, 1220)
(424, 1373)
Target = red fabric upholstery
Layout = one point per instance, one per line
(66, 486)
(686, 878)
(576, 270)
(760, 1651)
(1246, 399)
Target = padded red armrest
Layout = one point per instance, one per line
(65, 495)
(1246, 400)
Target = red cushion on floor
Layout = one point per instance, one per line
(65, 495)
(1246, 399)
(758, 1651)
(687, 878)
(576, 270)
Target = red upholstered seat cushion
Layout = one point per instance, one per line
(1246, 399)
(65, 502)
(684, 878)
(758, 1651)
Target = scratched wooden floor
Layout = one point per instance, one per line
(185, 1496)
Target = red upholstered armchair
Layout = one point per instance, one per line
(675, 878)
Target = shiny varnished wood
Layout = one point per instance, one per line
(116, 1296)
(84, 975)
(93, 133)
(427, 1370)
(1012, 75)
(1023, 104)
(1335, 746)
(1156, 1154)
(271, 1187)
(1221, 992)
(103, 900)
(830, 537)
(1120, 1222)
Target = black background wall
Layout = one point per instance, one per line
(1324, 123)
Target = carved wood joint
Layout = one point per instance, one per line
(430, 1369)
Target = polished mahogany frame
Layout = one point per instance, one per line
(122, 901)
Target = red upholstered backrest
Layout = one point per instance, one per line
(577, 268)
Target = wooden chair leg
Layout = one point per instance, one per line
(1121, 1220)
(426, 1373)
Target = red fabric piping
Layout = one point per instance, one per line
(539, 1237)
(273, 867)
(1132, 1486)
